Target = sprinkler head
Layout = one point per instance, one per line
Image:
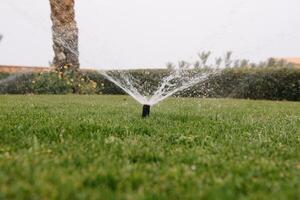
(146, 111)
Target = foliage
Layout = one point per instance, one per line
(274, 83)
(242, 82)
(3, 75)
(250, 83)
(103, 86)
(47, 83)
(17, 84)
(98, 147)
(50, 83)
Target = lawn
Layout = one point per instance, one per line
(98, 147)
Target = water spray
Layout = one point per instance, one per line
(146, 111)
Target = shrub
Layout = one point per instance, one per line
(103, 86)
(46, 83)
(50, 83)
(256, 83)
(3, 75)
(243, 82)
(17, 84)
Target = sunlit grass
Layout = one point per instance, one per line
(98, 147)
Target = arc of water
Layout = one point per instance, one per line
(132, 91)
(159, 94)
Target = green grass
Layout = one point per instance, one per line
(98, 147)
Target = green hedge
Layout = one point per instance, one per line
(3, 76)
(247, 83)
(27, 83)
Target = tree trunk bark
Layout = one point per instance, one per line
(64, 35)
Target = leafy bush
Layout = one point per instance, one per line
(50, 83)
(251, 83)
(46, 83)
(3, 75)
(272, 83)
(17, 84)
(103, 86)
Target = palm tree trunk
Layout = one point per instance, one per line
(65, 35)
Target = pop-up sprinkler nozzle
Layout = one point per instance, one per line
(146, 111)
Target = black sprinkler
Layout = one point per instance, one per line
(146, 111)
